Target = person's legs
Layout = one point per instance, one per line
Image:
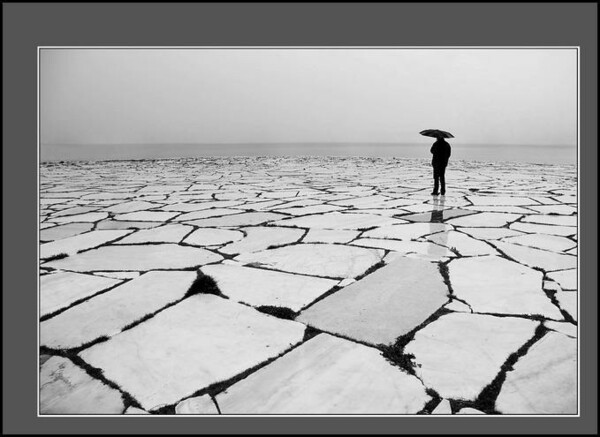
(436, 180)
(442, 174)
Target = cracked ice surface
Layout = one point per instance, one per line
(355, 247)
(544, 381)
(199, 341)
(472, 349)
(491, 284)
(326, 375)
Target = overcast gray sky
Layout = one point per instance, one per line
(118, 96)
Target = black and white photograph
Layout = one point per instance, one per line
(308, 231)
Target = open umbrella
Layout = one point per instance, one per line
(436, 133)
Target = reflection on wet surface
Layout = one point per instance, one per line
(437, 215)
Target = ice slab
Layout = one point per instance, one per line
(437, 215)
(553, 243)
(485, 219)
(490, 233)
(132, 206)
(559, 220)
(314, 209)
(189, 206)
(106, 196)
(172, 233)
(567, 279)
(200, 341)
(464, 244)
(61, 289)
(138, 257)
(372, 201)
(89, 217)
(75, 210)
(114, 224)
(77, 243)
(118, 275)
(163, 189)
(330, 236)
(258, 287)
(326, 375)
(263, 237)
(459, 354)
(413, 249)
(507, 209)
(410, 231)
(554, 209)
(147, 216)
(468, 410)
(544, 381)
(67, 389)
(563, 327)
(501, 200)
(243, 219)
(544, 229)
(197, 405)
(339, 220)
(443, 408)
(543, 259)
(108, 313)
(64, 231)
(212, 237)
(206, 213)
(330, 260)
(383, 305)
(133, 410)
(491, 284)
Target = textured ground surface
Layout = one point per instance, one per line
(307, 286)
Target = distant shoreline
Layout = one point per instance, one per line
(534, 154)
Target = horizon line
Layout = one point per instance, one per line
(295, 143)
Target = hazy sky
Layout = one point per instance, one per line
(508, 96)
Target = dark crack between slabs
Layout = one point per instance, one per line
(552, 296)
(395, 353)
(53, 258)
(486, 401)
(277, 311)
(435, 400)
(204, 284)
(82, 300)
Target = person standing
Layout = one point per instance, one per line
(441, 153)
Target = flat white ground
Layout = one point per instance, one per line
(307, 286)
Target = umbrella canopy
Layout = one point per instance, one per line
(436, 133)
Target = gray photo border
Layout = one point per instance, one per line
(26, 26)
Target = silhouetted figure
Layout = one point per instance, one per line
(441, 153)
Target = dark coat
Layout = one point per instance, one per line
(441, 153)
